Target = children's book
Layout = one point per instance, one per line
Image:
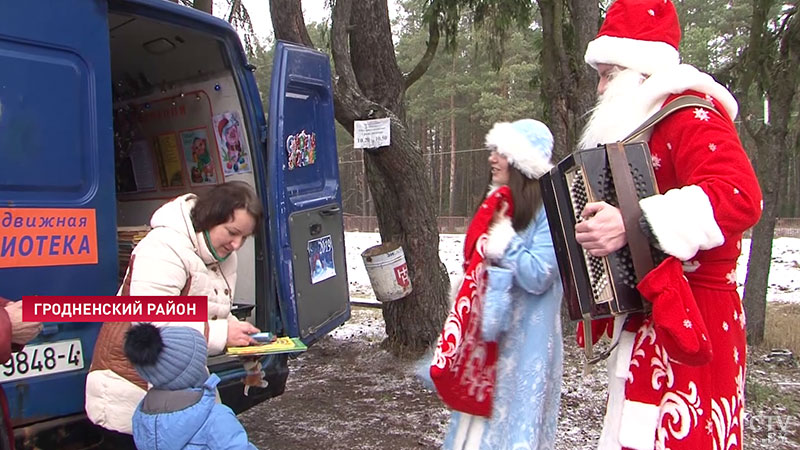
(279, 345)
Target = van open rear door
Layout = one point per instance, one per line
(305, 210)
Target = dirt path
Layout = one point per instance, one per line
(348, 393)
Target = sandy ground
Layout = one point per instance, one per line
(348, 393)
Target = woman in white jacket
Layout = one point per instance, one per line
(191, 250)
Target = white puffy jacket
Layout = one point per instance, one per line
(165, 258)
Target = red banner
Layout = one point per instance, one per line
(114, 309)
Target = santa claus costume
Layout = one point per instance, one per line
(676, 377)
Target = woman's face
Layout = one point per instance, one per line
(499, 167)
(230, 236)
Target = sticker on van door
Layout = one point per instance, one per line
(320, 259)
(301, 149)
(36, 237)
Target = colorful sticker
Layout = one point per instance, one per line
(198, 157)
(301, 149)
(232, 148)
(37, 237)
(320, 259)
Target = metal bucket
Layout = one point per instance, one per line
(387, 271)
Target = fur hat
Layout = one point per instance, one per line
(526, 143)
(642, 35)
(170, 358)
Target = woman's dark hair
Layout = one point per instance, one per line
(216, 205)
(527, 196)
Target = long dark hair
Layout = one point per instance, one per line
(526, 194)
(216, 205)
(527, 198)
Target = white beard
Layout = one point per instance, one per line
(620, 110)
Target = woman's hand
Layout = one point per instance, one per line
(500, 214)
(239, 333)
(21, 332)
(602, 231)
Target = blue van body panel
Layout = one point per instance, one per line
(55, 101)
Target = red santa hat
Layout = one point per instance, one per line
(642, 35)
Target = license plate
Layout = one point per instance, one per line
(43, 359)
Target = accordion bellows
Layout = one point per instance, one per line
(597, 287)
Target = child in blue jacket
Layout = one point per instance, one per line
(180, 411)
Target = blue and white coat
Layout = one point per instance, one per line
(522, 313)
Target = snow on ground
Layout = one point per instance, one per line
(784, 277)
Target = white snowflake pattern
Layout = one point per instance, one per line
(731, 277)
(709, 98)
(725, 326)
(709, 427)
(742, 320)
(735, 191)
(651, 12)
(736, 355)
(701, 114)
(656, 162)
(669, 146)
(687, 323)
(735, 316)
(712, 146)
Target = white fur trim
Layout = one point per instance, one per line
(518, 150)
(684, 77)
(683, 221)
(500, 234)
(646, 57)
(638, 425)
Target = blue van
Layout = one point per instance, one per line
(108, 109)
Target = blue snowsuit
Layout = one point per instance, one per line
(187, 419)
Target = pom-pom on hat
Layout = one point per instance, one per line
(526, 143)
(170, 358)
(642, 35)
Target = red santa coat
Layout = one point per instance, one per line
(677, 379)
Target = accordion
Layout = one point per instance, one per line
(619, 174)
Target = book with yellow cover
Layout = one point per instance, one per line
(279, 345)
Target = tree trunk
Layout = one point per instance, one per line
(776, 73)
(568, 85)
(369, 84)
(452, 200)
(203, 5)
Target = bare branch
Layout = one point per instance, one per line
(430, 52)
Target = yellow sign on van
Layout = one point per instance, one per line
(36, 237)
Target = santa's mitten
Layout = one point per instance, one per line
(679, 326)
(599, 326)
(496, 303)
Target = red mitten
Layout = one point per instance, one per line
(599, 326)
(679, 326)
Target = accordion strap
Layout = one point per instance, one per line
(684, 101)
(629, 207)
